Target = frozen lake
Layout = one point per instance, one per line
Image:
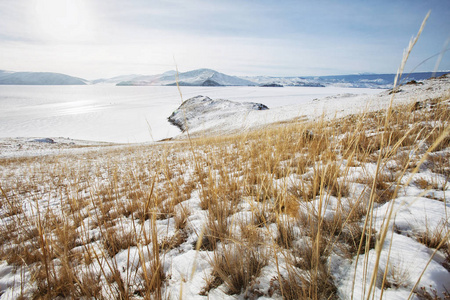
(125, 114)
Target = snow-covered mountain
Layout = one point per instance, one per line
(364, 80)
(200, 77)
(208, 77)
(115, 80)
(39, 78)
(284, 81)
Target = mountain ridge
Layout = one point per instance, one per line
(198, 77)
(209, 77)
(39, 78)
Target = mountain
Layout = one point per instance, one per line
(384, 81)
(208, 77)
(116, 79)
(39, 78)
(284, 81)
(364, 80)
(200, 77)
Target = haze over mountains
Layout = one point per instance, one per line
(208, 77)
(39, 78)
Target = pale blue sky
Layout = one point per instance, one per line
(95, 38)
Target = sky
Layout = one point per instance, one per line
(100, 39)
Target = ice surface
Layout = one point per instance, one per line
(124, 114)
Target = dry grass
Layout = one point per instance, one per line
(433, 238)
(236, 266)
(68, 224)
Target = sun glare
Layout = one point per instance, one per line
(63, 20)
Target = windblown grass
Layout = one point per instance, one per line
(278, 201)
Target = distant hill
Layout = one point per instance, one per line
(39, 78)
(115, 80)
(200, 77)
(208, 77)
(268, 81)
(381, 81)
(373, 80)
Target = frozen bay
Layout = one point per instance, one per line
(126, 114)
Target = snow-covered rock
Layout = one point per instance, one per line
(201, 109)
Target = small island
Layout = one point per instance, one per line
(271, 85)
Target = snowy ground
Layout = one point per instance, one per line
(40, 146)
(416, 209)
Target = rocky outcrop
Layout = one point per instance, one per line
(271, 85)
(207, 82)
(201, 109)
(210, 82)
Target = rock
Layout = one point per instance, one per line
(271, 85)
(395, 91)
(207, 82)
(44, 140)
(201, 109)
(417, 105)
(413, 82)
(210, 82)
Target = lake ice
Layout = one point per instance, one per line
(126, 114)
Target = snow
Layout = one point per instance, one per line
(402, 255)
(18, 147)
(200, 109)
(188, 271)
(407, 259)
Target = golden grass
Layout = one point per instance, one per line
(82, 211)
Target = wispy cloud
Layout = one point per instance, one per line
(239, 37)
